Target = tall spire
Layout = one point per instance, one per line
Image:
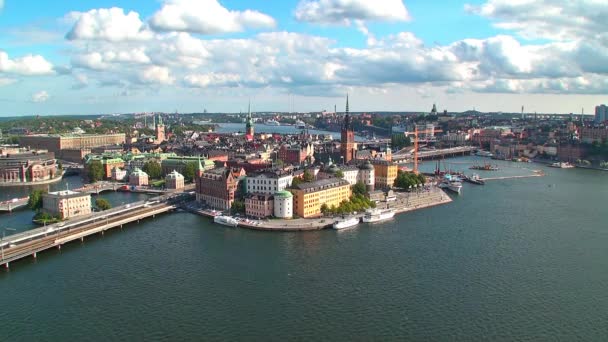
(346, 103)
(249, 110)
(160, 120)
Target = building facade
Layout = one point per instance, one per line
(160, 130)
(138, 178)
(268, 182)
(367, 175)
(174, 181)
(385, 173)
(56, 143)
(309, 197)
(259, 205)
(601, 113)
(66, 204)
(119, 174)
(28, 166)
(283, 204)
(216, 188)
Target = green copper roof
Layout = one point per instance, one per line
(283, 193)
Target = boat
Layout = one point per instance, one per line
(484, 154)
(474, 179)
(377, 215)
(451, 183)
(562, 165)
(300, 124)
(484, 167)
(226, 220)
(272, 123)
(346, 223)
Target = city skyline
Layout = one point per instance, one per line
(301, 55)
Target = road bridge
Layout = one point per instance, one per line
(432, 154)
(14, 204)
(30, 243)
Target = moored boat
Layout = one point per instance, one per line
(562, 165)
(377, 215)
(226, 221)
(475, 179)
(346, 223)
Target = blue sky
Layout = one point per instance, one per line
(69, 57)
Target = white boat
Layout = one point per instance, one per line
(484, 154)
(377, 215)
(451, 183)
(562, 165)
(226, 221)
(300, 124)
(273, 123)
(346, 223)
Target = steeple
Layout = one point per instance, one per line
(346, 103)
(249, 122)
(160, 120)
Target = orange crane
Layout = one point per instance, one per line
(416, 132)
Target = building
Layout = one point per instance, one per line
(66, 204)
(385, 173)
(309, 197)
(268, 182)
(259, 205)
(593, 134)
(119, 174)
(216, 188)
(601, 113)
(293, 154)
(174, 181)
(178, 163)
(347, 137)
(249, 130)
(138, 178)
(283, 204)
(58, 143)
(367, 175)
(108, 163)
(160, 130)
(28, 166)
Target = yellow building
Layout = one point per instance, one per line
(309, 197)
(385, 173)
(66, 204)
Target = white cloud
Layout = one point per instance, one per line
(206, 17)
(6, 81)
(156, 75)
(205, 80)
(27, 65)
(344, 11)
(1, 4)
(41, 96)
(111, 24)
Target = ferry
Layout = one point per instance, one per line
(377, 215)
(451, 183)
(273, 123)
(346, 223)
(562, 165)
(300, 124)
(475, 179)
(226, 221)
(484, 154)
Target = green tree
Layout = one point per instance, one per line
(238, 207)
(340, 174)
(102, 204)
(190, 171)
(153, 169)
(296, 181)
(308, 176)
(399, 141)
(324, 208)
(35, 200)
(359, 189)
(95, 171)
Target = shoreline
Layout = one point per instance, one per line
(419, 201)
(44, 182)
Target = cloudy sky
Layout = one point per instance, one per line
(111, 56)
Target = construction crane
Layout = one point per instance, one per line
(416, 132)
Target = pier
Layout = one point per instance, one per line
(32, 242)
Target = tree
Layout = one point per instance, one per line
(324, 208)
(238, 207)
(340, 174)
(153, 169)
(308, 176)
(399, 141)
(296, 181)
(102, 204)
(35, 200)
(359, 189)
(406, 179)
(95, 172)
(189, 171)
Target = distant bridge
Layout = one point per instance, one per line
(14, 204)
(431, 154)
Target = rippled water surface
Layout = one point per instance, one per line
(523, 259)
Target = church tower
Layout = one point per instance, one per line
(347, 141)
(160, 130)
(249, 124)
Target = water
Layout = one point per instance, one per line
(263, 128)
(522, 259)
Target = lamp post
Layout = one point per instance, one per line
(2, 241)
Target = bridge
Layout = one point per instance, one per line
(432, 154)
(32, 242)
(13, 204)
(99, 187)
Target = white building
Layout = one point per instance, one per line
(119, 174)
(174, 181)
(268, 182)
(367, 175)
(601, 113)
(351, 174)
(66, 204)
(283, 204)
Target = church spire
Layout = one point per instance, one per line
(346, 103)
(160, 120)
